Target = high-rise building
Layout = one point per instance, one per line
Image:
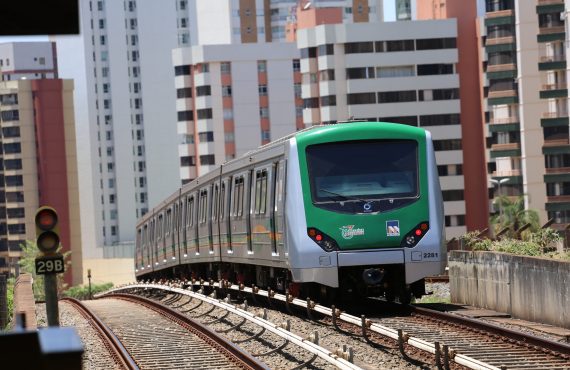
(232, 99)
(403, 72)
(471, 118)
(125, 113)
(527, 103)
(38, 152)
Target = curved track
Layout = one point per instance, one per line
(159, 338)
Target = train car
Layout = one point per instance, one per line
(351, 209)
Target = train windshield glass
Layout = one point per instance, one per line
(363, 170)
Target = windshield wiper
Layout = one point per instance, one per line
(346, 197)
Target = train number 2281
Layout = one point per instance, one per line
(430, 255)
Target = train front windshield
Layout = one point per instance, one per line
(363, 171)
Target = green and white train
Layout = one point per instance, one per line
(351, 209)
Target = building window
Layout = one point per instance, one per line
(226, 90)
(208, 159)
(100, 5)
(308, 53)
(262, 90)
(452, 144)
(182, 70)
(296, 65)
(186, 115)
(397, 96)
(358, 47)
(108, 135)
(225, 67)
(12, 148)
(15, 212)
(440, 120)
(361, 98)
(11, 132)
(265, 135)
(358, 73)
(396, 71)
(12, 164)
(207, 136)
(110, 167)
(262, 66)
(16, 180)
(435, 69)
(185, 92)
(204, 113)
(264, 112)
(458, 220)
(187, 161)
(203, 90)
(326, 75)
(327, 49)
(327, 101)
(102, 40)
(297, 90)
(440, 43)
(10, 115)
(438, 94)
(111, 183)
(450, 170)
(228, 113)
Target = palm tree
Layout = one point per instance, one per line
(513, 215)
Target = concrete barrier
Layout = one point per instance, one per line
(528, 288)
(24, 301)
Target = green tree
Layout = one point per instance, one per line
(513, 215)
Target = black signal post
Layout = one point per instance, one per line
(49, 262)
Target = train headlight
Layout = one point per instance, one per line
(324, 241)
(415, 235)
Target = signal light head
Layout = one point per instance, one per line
(48, 241)
(46, 219)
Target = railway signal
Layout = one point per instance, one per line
(49, 262)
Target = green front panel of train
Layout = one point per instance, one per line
(345, 217)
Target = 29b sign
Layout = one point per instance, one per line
(49, 265)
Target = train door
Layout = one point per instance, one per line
(191, 225)
(279, 208)
(154, 241)
(248, 201)
(204, 224)
(146, 247)
(225, 241)
(261, 228)
(216, 192)
(138, 250)
(238, 227)
(180, 240)
(160, 238)
(168, 245)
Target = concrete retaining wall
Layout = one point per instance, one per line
(24, 301)
(528, 288)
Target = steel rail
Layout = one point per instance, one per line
(208, 335)
(119, 352)
(306, 344)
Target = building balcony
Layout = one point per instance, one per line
(506, 173)
(549, 6)
(499, 13)
(548, 30)
(503, 121)
(552, 62)
(551, 91)
(558, 198)
(502, 94)
(499, 17)
(557, 170)
(556, 142)
(501, 67)
(554, 119)
(504, 147)
(500, 40)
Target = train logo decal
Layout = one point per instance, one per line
(393, 228)
(349, 231)
(367, 207)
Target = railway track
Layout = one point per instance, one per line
(449, 339)
(147, 335)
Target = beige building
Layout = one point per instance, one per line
(527, 103)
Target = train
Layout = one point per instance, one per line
(345, 210)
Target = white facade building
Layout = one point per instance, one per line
(27, 60)
(125, 112)
(400, 72)
(232, 99)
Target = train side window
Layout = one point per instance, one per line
(168, 221)
(190, 212)
(263, 201)
(159, 231)
(203, 206)
(222, 200)
(215, 203)
(260, 192)
(237, 197)
(175, 218)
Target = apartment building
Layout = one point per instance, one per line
(125, 113)
(232, 99)
(38, 157)
(527, 103)
(403, 72)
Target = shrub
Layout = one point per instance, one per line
(82, 291)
